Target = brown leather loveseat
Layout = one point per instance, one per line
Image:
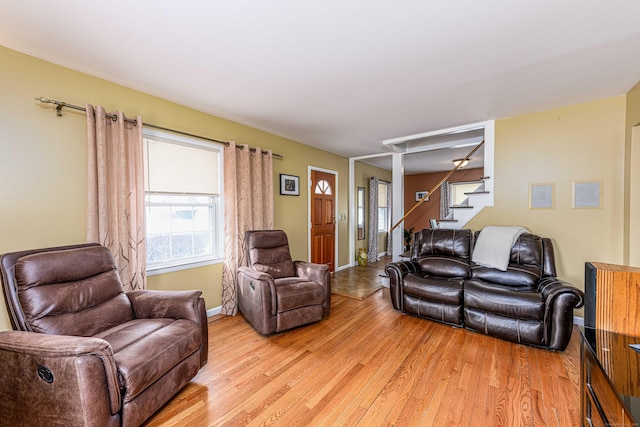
(84, 352)
(526, 303)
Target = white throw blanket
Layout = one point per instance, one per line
(493, 247)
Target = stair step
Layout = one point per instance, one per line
(460, 207)
(476, 192)
(447, 220)
(485, 177)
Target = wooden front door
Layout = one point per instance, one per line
(323, 218)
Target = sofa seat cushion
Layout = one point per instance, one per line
(294, 292)
(506, 301)
(430, 288)
(145, 349)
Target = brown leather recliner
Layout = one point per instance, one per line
(431, 284)
(84, 352)
(276, 293)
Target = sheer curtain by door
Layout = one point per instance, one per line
(373, 250)
(248, 205)
(115, 192)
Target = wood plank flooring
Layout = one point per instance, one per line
(369, 365)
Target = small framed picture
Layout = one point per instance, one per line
(422, 194)
(587, 194)
(289, 185)
(542, 196)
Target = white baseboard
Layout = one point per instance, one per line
(213, 311)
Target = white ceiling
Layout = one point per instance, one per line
(342, 75)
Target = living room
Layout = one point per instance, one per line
(43, 167)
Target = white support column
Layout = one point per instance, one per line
(397, 187)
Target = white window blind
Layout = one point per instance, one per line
(175, 168)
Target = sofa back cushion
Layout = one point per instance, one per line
(444, 253)
(526, 263)
(74, 291)
(268, 252)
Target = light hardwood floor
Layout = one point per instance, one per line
(368, 365)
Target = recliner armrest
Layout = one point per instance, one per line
(148, 304)
(560, 299)
(551, 287)
(40, 367)
(310, 271)
(396, 272)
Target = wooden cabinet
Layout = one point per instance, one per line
(610, 385)
(612, 298)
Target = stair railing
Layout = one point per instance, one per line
(435, 187)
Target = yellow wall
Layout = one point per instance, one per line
(362, 173)
(43, 170)
(575, 143)
(632, 177)
(43, 164)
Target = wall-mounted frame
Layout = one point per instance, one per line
(289, 185)
(587, 194)
(421, 194)
(542, 195)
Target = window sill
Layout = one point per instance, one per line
(153, 271)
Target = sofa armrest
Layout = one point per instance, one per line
(560, 299)
(67, 379)
(396, 272)
(165, 304)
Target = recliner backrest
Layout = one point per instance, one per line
(443, 252)
(530, 259)
(73, 290)
(268, 252)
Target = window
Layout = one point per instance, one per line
(457, 191)
(183, 201)
(383, 211)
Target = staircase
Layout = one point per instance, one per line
(473, 202)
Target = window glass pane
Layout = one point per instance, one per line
(382, 219)
(382, 195)
(323, 187)
(182, 227)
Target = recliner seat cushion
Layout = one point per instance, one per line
(511, 302)
(292, 292)
(145, 349)
(429, 288)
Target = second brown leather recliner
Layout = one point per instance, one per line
(276, 293)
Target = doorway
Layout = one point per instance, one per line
(323, 217)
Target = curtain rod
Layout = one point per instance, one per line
(60, 105)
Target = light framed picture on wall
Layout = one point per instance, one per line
(542, 195)
(587, 194)
(289, 185)
(421, 194)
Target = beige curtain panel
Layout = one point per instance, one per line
(248, 205)
(115, 197)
